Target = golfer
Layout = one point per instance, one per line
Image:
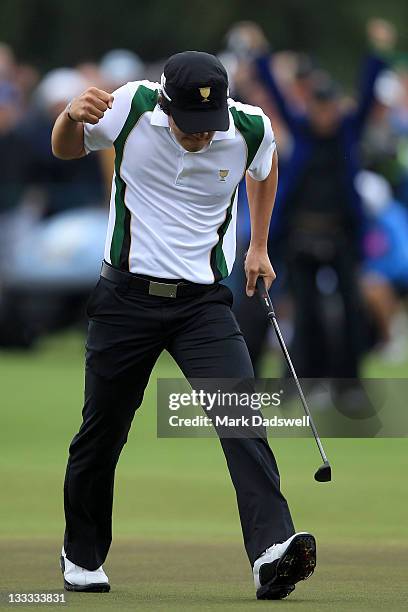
(182, 148)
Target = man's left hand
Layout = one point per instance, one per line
(257, 264)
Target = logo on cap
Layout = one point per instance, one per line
(223, 174)
(205, 92)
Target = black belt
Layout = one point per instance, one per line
(151, 286)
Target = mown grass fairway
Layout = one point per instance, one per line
(177, 541)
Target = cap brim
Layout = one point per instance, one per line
(193, 122)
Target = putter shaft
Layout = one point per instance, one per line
(266, 300)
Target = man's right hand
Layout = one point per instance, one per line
(90, 106)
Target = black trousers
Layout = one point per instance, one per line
(127, 332)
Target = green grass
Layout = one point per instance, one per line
(177, 540)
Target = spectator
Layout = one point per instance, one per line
(120, 66)
(385, 269)
(10, 150)
(318, 219)
(58, 186)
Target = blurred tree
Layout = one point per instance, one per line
(51, 33)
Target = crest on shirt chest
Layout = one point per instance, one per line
(222, 175)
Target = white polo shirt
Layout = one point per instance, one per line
(172, 212)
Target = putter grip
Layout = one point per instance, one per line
(264, 296)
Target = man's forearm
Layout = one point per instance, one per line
(67, 138)
(68, 134)
(261, 198)
(268, 80)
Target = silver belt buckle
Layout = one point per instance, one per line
(162, 289)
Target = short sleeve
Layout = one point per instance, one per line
(261, 165)
(103, 134)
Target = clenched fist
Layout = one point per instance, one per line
(90, 106)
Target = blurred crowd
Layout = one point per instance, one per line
(339, 236)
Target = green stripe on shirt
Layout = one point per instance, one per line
(143, 101)
(252, 129)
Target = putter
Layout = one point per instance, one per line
(323, 474)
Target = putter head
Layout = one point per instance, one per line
(323, 474)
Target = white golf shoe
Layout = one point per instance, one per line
(77, 578)
(278, 569)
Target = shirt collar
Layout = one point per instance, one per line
(160, 119)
